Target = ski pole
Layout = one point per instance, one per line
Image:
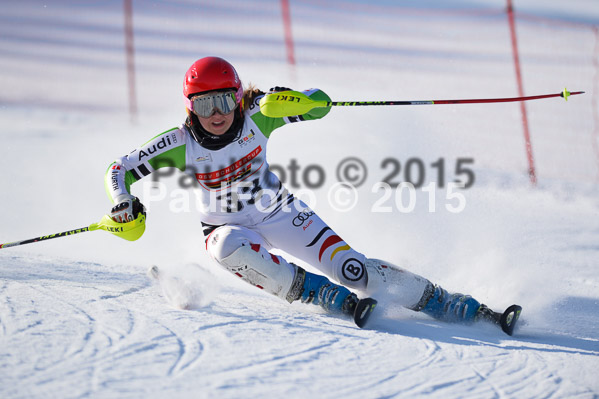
(43, 238)
(290, 103)
(130, 231)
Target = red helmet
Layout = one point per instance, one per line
(212, 73)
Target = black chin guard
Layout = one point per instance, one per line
(211, 141)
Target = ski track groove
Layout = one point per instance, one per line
(277, 359)
(178, 366)
(44, 372)
(486, 384)
(481, 384)
(197, 349)
(121, 294)
(10, 307)
(550, 379)
(498, 392)
(432, 355)
(79, 352)
(518, 371)
(85, 341)
(225, 324)
(187, 354)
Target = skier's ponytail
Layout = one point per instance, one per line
(249, 95)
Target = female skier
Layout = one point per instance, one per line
(246, 211)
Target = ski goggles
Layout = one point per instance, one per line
(204, 105)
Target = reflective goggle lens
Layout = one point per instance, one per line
(205, 105)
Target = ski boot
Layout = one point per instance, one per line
(450, 307)
(334, 298)
(464, 309)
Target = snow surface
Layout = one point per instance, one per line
(80, 317)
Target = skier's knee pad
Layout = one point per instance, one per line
(225, 240)
(399, 285)
(255, 265)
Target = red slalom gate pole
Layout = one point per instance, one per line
(288, 34)
(128, 8)
(527, 141)
(594, 102)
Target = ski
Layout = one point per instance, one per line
(509, 318)
(364, 309)
(506, 320)
(154, 272)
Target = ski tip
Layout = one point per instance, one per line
(509, 318)
(363, 310)
(153, 272)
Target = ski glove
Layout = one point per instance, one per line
(277, 89)
(127, 210)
